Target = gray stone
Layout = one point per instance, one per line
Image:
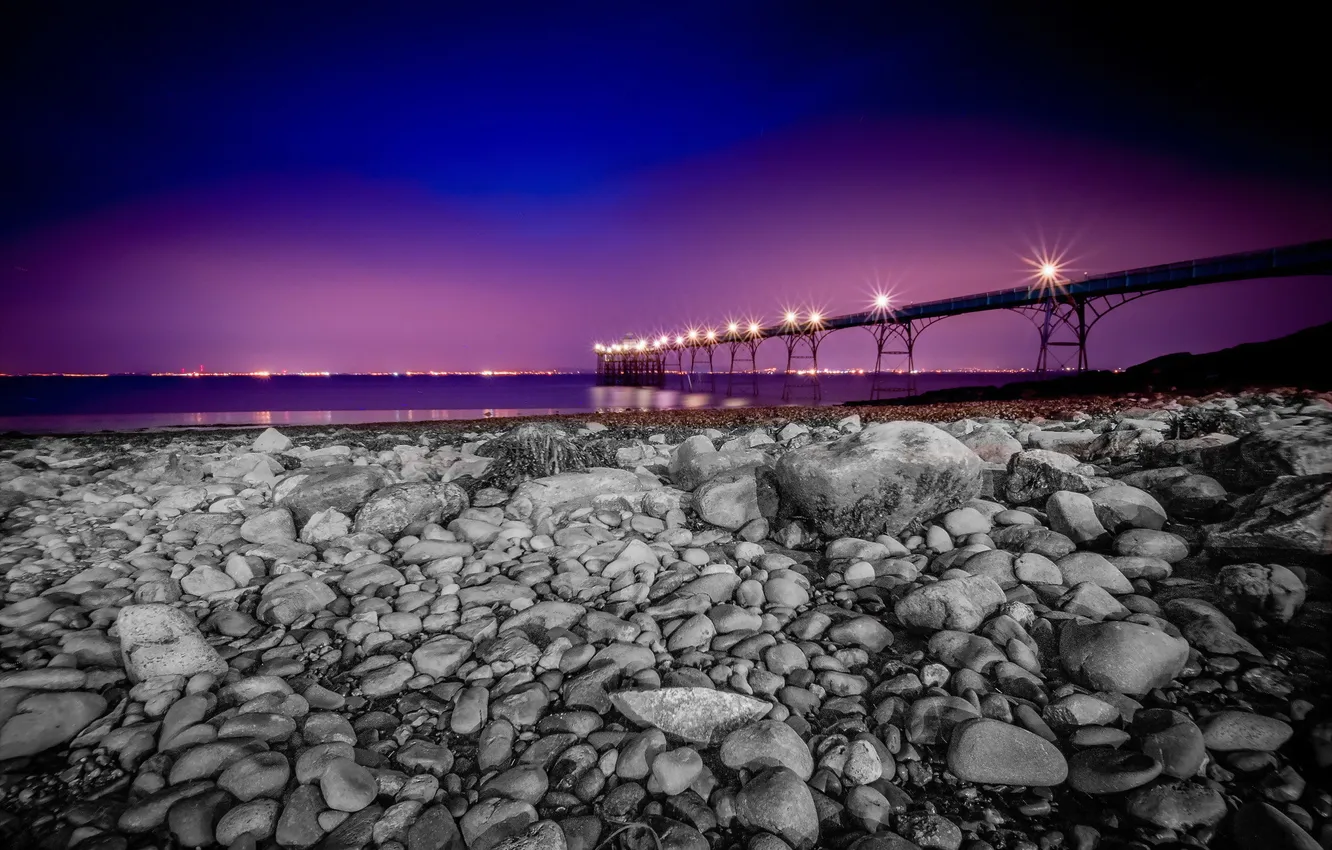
(731, 499)
(1089, 566)
(159, 640)
(698, 716)
(1125, 657)
(991, 752)
(1227, 731)
(1074, 515)
(407, 508)
(571, 489)
(779, 802)
(1120, 508)
(1261, 594)
(343, 487)
(879, 479)
(696, 461)
(43, 720)
(271, 441)
(1035, 474)
(767, 743)
(960, 604)
(1289, 521)
(1177, 805)
(270, 526)
(284, 602)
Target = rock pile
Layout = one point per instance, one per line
(999, 633)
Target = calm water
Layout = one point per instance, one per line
(65, 405)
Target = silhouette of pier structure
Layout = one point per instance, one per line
(1062, 311)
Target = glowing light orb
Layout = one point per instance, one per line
(733, 327)
(791, 317)
(1049, 271)
(881, 302)
(754, 327)
(693, 334)
(712, 335)
(815, 318)
(679, 340)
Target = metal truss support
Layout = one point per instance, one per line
(744, 354)
(674, 364)
(700, 352)
(895, 358)
(1064, 322)
(802, 365)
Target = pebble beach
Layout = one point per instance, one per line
(1029, 625)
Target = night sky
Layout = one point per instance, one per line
(384, 186)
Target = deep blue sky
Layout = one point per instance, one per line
(518, 120)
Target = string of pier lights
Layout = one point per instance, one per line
(735, 331)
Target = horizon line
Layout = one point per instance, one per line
(486, 373)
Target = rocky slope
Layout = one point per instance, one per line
(1296, 360)
(1105, 630)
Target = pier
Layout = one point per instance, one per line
(1062, 311)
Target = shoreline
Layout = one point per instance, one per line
(631, 422)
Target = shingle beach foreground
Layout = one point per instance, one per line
(1104, 625)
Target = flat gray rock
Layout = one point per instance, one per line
(700, 716)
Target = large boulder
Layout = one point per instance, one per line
(1122, 657)
(1288, 521)
(878, 480)
(342, 486)
(406, 508)
(1281, 448)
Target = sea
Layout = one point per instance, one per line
(70, 404)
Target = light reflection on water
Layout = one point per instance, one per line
(387, 400)
(77, 424)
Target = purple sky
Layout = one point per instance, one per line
(463, 187)
(349, 274)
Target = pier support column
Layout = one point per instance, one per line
(744, 355)
(895, 357)
(674, 362)
(703, 352)
(1064, 322)
(802, 353)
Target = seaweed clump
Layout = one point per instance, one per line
(533, 450)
